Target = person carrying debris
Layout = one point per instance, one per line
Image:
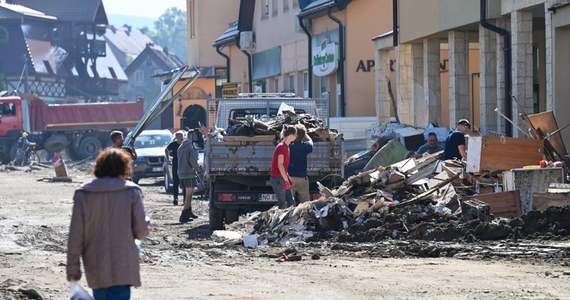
(187, 168)
(107, 216)
(299, 150)
(455, 142)
(430, 147)
(172, 150)
(117, 140)
(280, 180)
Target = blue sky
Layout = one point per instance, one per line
(142, 8)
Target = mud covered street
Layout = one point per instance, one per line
(181, 261)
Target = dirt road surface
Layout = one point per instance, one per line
(181, 261)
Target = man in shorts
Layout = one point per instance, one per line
(188, 168)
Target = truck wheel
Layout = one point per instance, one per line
(56, 143)
(216, 218)
(89, 147)
(231, 215)
(136, 179)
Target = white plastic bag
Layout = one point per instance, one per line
(77, 292)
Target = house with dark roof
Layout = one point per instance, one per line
(143, 75)
(57, 51)
(126, 43)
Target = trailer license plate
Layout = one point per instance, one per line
(157, 169)
(268, 197)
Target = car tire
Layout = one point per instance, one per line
(136, 179)
(168, 187)
(216, 218)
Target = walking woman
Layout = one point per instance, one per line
(108, 215)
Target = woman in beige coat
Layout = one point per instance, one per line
(108, 215)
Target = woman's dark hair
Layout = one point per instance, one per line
(113, 162)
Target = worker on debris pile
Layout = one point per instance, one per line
(455, 142)
(299, 150)
(188, 169)
(107, 216)
(280, 180)
(172, 150)
(117, 140)
(430, 147)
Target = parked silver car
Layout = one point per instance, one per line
(149, 146)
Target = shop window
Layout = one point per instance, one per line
(276, 85)
(264, 9)
(291, 83)
(295, 3)
(285, 5)
(274, 7)
(324, 87)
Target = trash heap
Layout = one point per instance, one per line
(407, 200)
(395, 197)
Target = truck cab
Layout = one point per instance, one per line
(11, 125)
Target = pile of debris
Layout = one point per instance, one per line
(251, 126)
(417, 199)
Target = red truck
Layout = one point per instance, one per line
(82, 128)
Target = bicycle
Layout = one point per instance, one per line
(27, 158)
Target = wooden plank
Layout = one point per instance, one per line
(547, 123)
(541, 201)
(504, 204)
(255, 138)
(502, 153)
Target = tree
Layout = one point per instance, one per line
(170, 32)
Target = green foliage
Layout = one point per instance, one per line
(170, 32)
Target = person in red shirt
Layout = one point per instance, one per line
(280, 181)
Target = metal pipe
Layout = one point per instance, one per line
(508, 72)
(219, 50)
(161, 103)
(395, 22)
(511, 122)
(341, 60)
(309, 55)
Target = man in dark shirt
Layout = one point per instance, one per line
(117, 139)
(455, 142)
(299, 149)
(172, 150)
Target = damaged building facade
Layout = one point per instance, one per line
(481, 60)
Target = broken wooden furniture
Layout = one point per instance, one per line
(489, 153)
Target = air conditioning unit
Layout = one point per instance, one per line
(246, 41)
